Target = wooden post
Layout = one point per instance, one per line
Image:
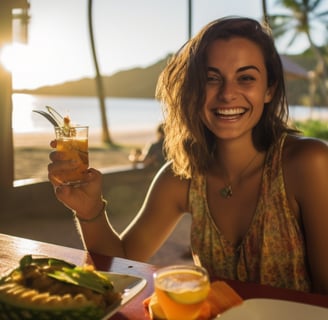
(6, 135)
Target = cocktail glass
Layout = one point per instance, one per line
(181, 290)
(73, 141)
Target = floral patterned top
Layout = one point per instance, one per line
(273, 250)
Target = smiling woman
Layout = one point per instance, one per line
(250, 182)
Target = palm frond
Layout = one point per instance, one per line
(323, 14)
(313, 6)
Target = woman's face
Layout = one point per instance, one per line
(236, 88)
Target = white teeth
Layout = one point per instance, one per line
(229, 111)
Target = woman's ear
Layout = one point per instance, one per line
(269, 93)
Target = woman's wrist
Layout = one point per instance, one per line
(96, 216)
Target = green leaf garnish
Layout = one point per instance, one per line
(84, 278)
(28, 260)
(70, 273)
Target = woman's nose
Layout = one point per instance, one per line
(227, 91)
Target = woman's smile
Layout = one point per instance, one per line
(229, 113)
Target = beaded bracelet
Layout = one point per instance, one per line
(103, 209)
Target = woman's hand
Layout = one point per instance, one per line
(85, 198)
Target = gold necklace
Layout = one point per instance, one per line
(226, 191)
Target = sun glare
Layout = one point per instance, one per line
(13, 57)
(6, 57)
(20, 60)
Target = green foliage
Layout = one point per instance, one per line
(313, 128)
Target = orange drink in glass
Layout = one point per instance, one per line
(181, 290)
(73, 140)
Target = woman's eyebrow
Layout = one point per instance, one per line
(247, 68)
(216, 70)
(241, 69)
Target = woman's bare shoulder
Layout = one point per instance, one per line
(300, 151)
(305, 160)
(171, 186)
(167, 174)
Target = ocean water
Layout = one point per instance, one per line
(123, 115)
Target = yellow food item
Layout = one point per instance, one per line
(49, 288)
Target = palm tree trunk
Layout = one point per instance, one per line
(265, 17)
(106, 138)
(189, 19)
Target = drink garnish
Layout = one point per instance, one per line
(56, 119)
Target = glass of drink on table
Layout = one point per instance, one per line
(73, 141)
(181, 290)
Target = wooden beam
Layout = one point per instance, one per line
(6, 134)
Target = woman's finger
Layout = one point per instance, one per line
(53, 143)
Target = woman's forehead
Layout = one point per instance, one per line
(235, 51)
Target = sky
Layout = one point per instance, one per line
(128, 34)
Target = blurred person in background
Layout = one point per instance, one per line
(153, 155)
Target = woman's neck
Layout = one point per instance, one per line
(234, 159)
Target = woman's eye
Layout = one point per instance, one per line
(246, 78)
(213, 78)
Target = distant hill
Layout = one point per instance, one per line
(133, 83)
(141, 82)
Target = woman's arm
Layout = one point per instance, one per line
(164, 205)
(307, 175)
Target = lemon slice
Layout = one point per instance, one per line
(155, 309)
(189, 297)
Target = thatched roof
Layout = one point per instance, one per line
(293, 70)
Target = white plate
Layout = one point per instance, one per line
(271, 309)
(128, 285)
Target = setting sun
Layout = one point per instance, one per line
(5, 58)
(13, 56)
(20, 61)
(31, 65)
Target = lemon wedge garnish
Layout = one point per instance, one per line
(189, 297)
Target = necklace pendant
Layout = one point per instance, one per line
(226, 192)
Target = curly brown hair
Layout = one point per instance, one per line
(181, 90)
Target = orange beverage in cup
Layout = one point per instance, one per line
(73, 141)
(181, 291)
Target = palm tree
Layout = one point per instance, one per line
(190, 18)
(106, 138)
(300, 21)
(265, 18)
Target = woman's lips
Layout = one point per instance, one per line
(229, 113)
